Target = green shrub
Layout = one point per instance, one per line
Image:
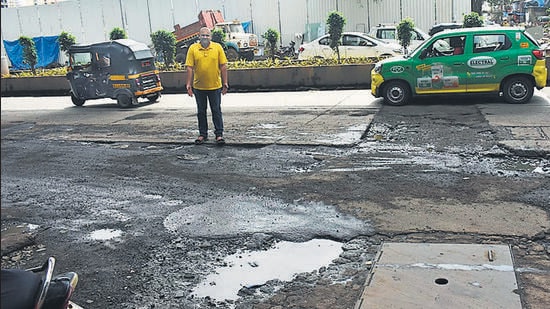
(117, 33)
(65, 41)
(404, 32)
(30, 55)
(164, 43)
(271, 36)
(335, 22)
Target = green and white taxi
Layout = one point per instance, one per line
(503, 60)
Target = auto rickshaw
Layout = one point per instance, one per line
(123, 70)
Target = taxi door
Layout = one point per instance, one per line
(443, 67)
(490, 60)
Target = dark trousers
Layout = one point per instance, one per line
(214, 97)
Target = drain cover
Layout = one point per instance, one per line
(407, 275)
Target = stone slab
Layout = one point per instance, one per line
(407, 275)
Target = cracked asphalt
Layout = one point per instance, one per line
(297, 166)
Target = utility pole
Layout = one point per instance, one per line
(280, 27)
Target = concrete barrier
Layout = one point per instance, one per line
(356, 76)
(272, 79)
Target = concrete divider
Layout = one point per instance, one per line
(272, 79)
(356, 76)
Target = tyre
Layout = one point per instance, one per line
(249, 56)
(396, 93)
(77, 101)
(124, 100)
(153, 98)
(518, 90)
(232, 54)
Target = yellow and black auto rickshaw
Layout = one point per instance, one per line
(123, 70)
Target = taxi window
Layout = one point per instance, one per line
(491, 42)
(447, 46)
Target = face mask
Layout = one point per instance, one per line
(205, 42)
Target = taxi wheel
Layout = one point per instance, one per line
(518, 90)
(124, 100)
(396, 93)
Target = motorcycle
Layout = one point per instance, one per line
(38, 288)
(286, 51)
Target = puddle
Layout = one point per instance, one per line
(253, 269)
(105, 234)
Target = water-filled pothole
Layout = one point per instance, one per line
(105, 234)
(255, 268)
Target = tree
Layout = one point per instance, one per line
(165, 44)
(117, 33)
(472, 20)
(218, 36)
(404, 33)
(271, 36)
(335, 23)
(65, 41)
(30, 55)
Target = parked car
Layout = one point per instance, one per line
(354, 44)
(388, 33)
(502, 60)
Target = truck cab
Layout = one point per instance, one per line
(239, 43)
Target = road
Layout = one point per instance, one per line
(124, 198)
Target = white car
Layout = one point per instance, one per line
(354, 44)
(388, 33)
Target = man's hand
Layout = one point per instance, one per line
(225, 87)
(189, 90)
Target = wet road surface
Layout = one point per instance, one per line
(125, 199)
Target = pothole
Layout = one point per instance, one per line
(105, 234)
(253, 269)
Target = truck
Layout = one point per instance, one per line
(238, 43)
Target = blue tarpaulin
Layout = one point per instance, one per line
(47, 49)
(246, 26)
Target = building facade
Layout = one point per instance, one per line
(92, 20)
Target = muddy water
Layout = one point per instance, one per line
(255, 268)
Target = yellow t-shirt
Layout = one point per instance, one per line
(206, 65)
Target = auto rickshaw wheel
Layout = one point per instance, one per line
(124, 100)
(153, 98)
(77, 101)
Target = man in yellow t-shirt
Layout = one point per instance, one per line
(207, 80)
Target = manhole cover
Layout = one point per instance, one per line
(407, 275)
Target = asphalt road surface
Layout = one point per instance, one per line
(125, 199)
